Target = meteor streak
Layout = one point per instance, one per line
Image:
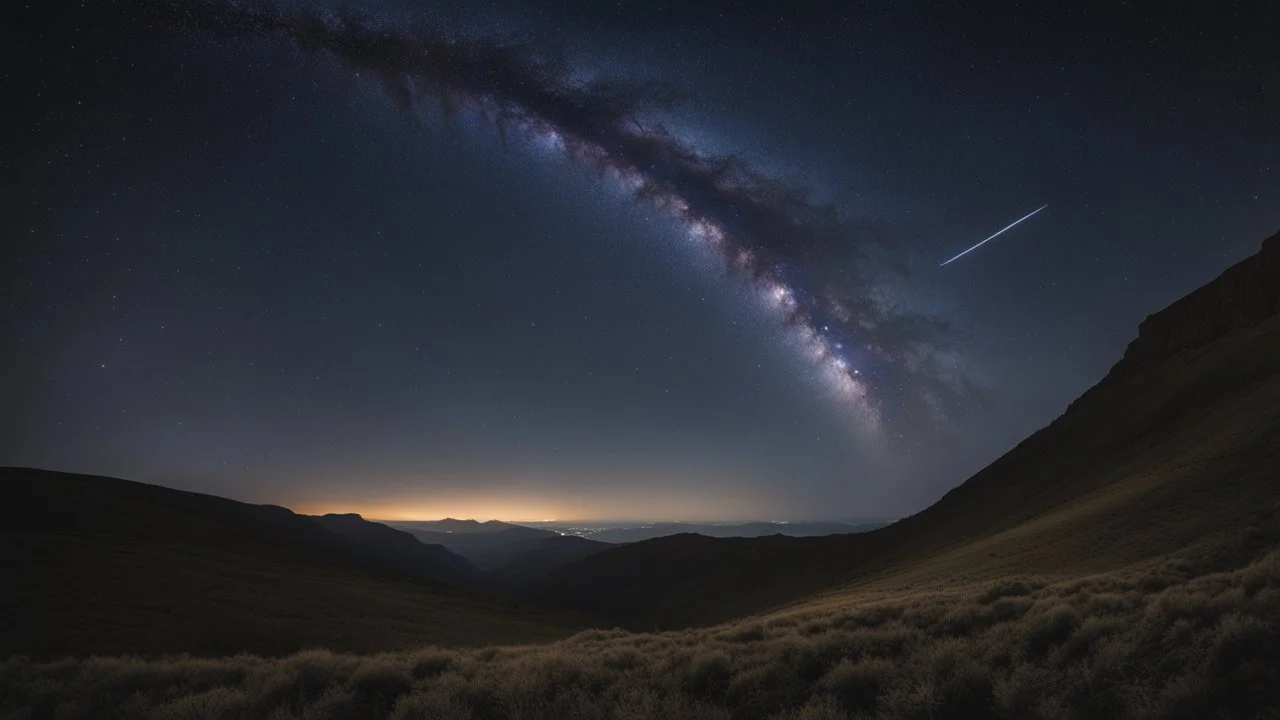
(993, 237)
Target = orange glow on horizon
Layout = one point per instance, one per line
(403, 513)
(658, 494)
(711, 507)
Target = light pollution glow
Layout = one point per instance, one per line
(683, 509)
(669, 496)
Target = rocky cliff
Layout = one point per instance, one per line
(1244, 295)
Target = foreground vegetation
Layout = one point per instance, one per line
(1174, 640)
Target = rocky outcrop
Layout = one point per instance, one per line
(1244, 295)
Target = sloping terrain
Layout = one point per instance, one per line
(400, 549)
(1196, 636)
(1178, 445)
(536, 558)
(497, 547)
(99, 565)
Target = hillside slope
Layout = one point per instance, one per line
(511, 554)
(400, 549)
(1179, 444)
(107, 566)
(539, 557)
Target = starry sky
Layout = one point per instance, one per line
(636, 260)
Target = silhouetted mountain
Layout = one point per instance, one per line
(648, 531)
(401, 551)
(100, 565)
(503, 547)
(452, 525)
(498, 547)
(1177, 447)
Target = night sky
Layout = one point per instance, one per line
(642, 260)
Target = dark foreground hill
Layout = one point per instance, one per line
(99, 565)
(1178, 445)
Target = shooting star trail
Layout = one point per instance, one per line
(993, 237)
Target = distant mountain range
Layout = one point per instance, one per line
(512, 554)
(516, 554)
(638, 531)
(453, 525)
(401, 550)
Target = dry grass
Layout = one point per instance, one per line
(1176, 640)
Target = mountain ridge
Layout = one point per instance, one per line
(401, 549)
(110, 566)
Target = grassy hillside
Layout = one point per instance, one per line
(1181, 442)
(98, 565)
(1196, 636)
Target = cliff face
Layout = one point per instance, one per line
(1244, 295)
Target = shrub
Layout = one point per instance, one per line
(1051, 627)
(1017, 587)
(857, 684)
